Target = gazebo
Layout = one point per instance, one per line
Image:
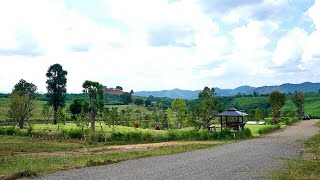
(232, 112)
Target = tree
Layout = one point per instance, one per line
(119, 88)
(276, 100)
(126, 98)
(21, 102)
(208, 105)
(78, 106)
(57, 82)
(114, 117)
(259, 114)
(298, 100)
(147, 102)
(96, 100)
(180, 108)
(138, 102)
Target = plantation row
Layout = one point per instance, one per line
(130, 137)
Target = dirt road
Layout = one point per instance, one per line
(249, 159)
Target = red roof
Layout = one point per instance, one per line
(113, 91)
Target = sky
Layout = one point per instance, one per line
(160, 44)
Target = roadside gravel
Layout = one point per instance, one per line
(249, 159)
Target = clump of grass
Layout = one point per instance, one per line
(91, 162)
(267, 129)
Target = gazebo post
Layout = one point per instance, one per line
(226, 121)
(242, 122)
(221, 122)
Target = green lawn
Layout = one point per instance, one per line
(25, 156)
(4, 107)
(105, 128)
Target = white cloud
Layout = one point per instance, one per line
(289, 47)
(117, 50)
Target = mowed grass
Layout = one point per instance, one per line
(11, 145)
(308, 168)
(255, 129)
(105, 128)
(37, 112)
(25, 156)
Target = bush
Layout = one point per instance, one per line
(245, 133)
(98, 137)
(291, 120)
(75, 133)
(11, 130)
(268, 120)
(269, 128)
(30, 129)
(133, 136)
(117, 136)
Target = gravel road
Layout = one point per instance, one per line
(249, 159)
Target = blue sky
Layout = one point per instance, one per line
(161, 44)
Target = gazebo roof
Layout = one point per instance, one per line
(232, 112)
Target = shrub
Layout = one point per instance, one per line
(11, 130)
(245, 133)
(268, 120)
(75, 133)
(133, 136)
(172, 135)
(291, 120)
(117, 136)
(30, 129)
(98, 137)
(269, 128)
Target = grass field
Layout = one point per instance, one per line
(255, 129)
(312, 103)
(4, 107)
(25, 156)
(304, 168)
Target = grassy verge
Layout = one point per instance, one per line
(268, 128)
(23, 156)
(303, 168)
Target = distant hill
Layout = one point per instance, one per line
(288, 88)
(174, 93)
(188, 94)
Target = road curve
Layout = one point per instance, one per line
(249, 159)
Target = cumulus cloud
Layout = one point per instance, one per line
(159, 44)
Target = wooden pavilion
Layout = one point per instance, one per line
(234, 116)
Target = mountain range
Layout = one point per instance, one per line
(188, 94)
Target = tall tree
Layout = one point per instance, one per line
(96, 100)
(258, 114)
(21, 102)
(126, 98)
(57, 83)
(138, 101)
(147, 103)
(277, 100)
(208, 105)
(119, 88)
(78, 106)
(298, 100)
(180, 108)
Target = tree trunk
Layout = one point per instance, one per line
(92, 120)
(21, 122)
(55, 121)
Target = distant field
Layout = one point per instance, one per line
(4, 107)
(312, 103)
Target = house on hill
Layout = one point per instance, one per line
(113, 91)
